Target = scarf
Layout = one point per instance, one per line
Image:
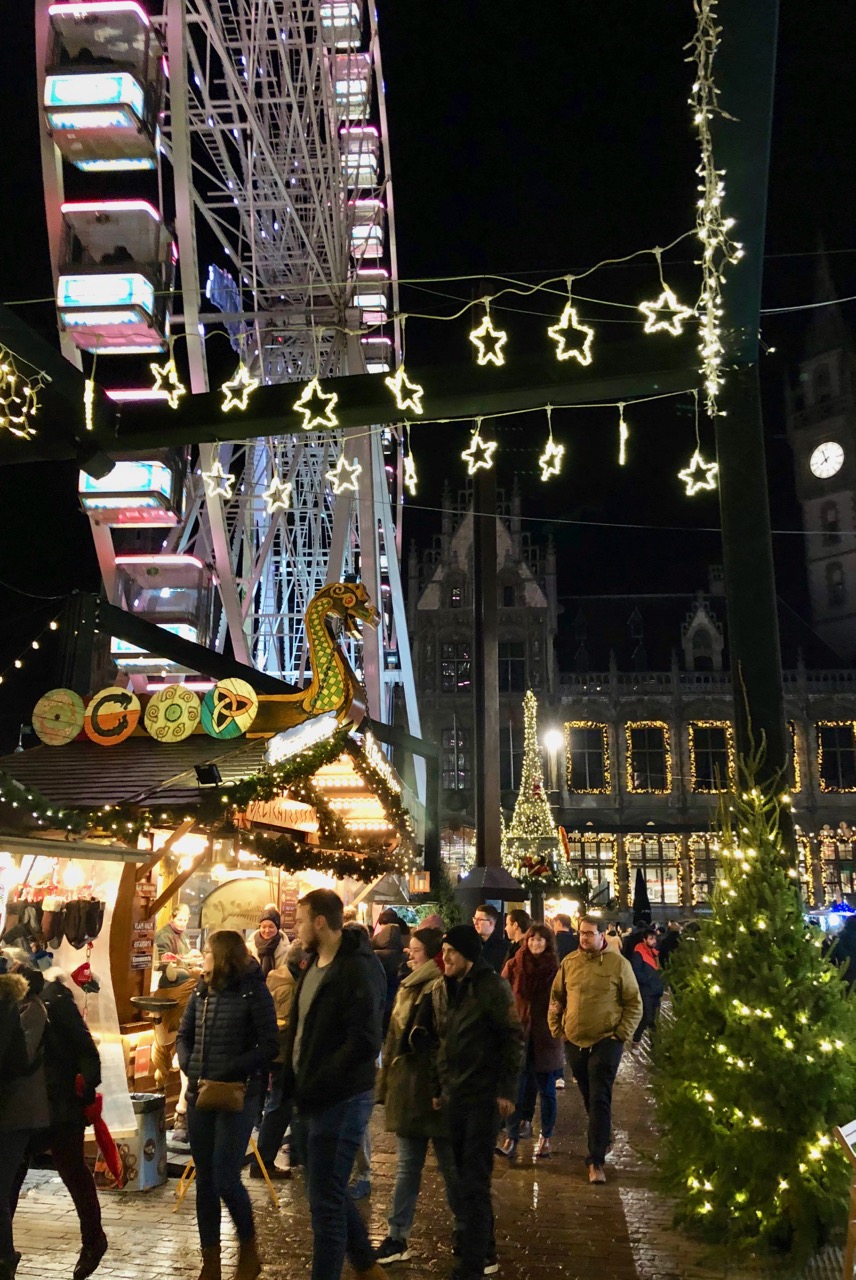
(266, 952)
(531, 978)
(649, 956)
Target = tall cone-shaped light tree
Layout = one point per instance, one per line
(757, 1063)
(531, 847)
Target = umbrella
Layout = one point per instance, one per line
(641, 901)
(103, 1137)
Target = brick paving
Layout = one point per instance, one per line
(550, 1221)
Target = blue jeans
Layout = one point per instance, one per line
(408, 1180)
(275, 1120)
(218, 1144)
(533, 1084)
(330, 1140)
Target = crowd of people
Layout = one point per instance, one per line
(460, 1033)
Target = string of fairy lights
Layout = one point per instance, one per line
(573, 339)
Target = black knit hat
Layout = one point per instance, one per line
(272, 914)
(464, 939)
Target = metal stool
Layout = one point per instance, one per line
(189, 1173)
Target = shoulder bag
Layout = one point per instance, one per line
(217, 1095)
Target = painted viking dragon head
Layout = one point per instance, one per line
(350, 601)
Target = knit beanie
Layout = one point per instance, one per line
(464, 939)
(272, 914)
(431, 939)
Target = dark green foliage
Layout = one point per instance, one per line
(758, 1063)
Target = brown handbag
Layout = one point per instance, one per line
(218, 1095)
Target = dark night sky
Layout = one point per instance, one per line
(526, 141)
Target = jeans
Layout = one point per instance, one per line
(650, 1010)
(474, 1126)
(594, 1071)
(275, 1120)
(13, 1154)
(532, 1084)
(329, 1140)
(65, 1143)
(218, 1143)
(408, 1180)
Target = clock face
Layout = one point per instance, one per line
(826, 460)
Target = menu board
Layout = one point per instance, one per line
(143, 944)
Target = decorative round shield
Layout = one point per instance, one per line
(58, 717)
(172, 714)
(229, 709)
(112, 716)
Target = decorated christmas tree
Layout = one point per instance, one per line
(531, 847)
(758, 1062)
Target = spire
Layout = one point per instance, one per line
(827, 330)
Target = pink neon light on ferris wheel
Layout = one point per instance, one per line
(111, 206)
(101, 6)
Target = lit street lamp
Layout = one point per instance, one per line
(553, 742)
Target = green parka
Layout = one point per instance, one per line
(405, 1083)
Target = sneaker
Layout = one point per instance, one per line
(491, 1264)
(560, 1083)
(178, 1133)
(542, 1148)
(360, 1189)
(273, 1172)
(525, 1129)
(596, 1174)
(506, 1148)
(393, 1251)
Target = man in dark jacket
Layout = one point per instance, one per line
(494, 942)
(478, 1070)
(646, 966)
(566, 936)
(331, 1049)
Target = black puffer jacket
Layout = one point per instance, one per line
(341, 1038)
(69, 1051)
(229, 1034)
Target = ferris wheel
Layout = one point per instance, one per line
(257, 130)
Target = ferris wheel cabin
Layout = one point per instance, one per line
(104, 85)
(136, 494)
(117, 266)
(172, 591)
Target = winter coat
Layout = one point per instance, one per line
(668, 946)
(480, 1036)
(282, 986)
(645, 965)
(69, 1051)
(843, 951)
(598, 996)
(341, 1036)
(228, 1034)
(280, 955)
(531, 985)
(407, 1076)
(495, 949)
(24, 1101)
(168, 942)
(13, 1047)
(388, 946)
(566, 942)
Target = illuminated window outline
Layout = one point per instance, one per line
(667, 751)
(606, 789)
(728, 783)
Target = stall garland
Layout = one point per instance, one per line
(219, 807)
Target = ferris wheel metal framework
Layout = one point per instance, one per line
(276, 136)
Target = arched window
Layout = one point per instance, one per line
(830, 523)
(836, 592)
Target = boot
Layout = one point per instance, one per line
(211, 1263)
(249, 1262)
(90, 1258)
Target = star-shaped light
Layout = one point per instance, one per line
(667, 304)
(699, 474)
(489, 341)
(344, 475)
(218, 483)
(550, 461)
(408, 395)
(571, 321)
(167, 379)
(242, 384)
(277, 495)
(317, 406)
(410, 477)
(479, 454)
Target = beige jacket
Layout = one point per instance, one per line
(594, 995)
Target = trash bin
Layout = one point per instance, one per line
(143, 1154)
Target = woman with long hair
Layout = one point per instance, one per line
(531, 971)
(226, 1043)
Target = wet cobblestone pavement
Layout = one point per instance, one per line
(550, 1221)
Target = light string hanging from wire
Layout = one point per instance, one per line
(166, 378)
(699, 474)
(713, 228)
(479, 453)
(569, 322)
(551, 459)
(238, 389)
(219, 483)
(489, 340)
(410, 477)
(19, 395)
(623, 436)
(18, 663)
